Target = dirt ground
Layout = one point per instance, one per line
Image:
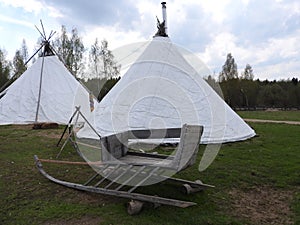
(262, 205)
(272, 121)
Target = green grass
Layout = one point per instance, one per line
(271, 115)
(269, 161)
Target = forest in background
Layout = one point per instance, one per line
(243, 92)
(96, 68)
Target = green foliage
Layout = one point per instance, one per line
(249, 90)
(272, 95)
(5, 68)
(94, 56)
(102, 64)
(110, 67)
(76, 53)
(103, 72)
(70, 49)
(100, 87)
(229, 69)
(245, 93)
(248, 73)
(24, 51)
(108, 85)
(19, 64)
(215, 85)
(232, 92)
(62, 44)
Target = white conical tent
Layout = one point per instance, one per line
(162, 90)
(59, 94)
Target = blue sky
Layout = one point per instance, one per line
(263, 33)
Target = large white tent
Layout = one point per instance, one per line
(45, 92)
(161, 89)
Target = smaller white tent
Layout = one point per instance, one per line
(45, 92)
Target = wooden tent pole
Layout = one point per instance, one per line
(40, 91)
(14, 76)
(68, 125)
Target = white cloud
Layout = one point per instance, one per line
(216, 8)
(215, 53)
(7, 19)
(254, 34)
(281, 70)
(147, 12)
(276, 57)
(113, 35)
(32, 6)
(284, 48)
(53, 12)
(292, 7)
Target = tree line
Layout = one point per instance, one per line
(244, 92)
(99, 72)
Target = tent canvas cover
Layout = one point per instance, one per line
(161, 89)
(60, 93)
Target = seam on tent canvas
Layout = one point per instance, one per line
(160, 75)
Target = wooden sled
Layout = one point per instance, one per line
(122, 171)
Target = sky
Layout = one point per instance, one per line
(262, 33)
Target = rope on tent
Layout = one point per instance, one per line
(70, 162)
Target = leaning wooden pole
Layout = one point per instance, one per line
(40, 91)
(11, 80)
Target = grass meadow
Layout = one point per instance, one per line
(256, 182)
